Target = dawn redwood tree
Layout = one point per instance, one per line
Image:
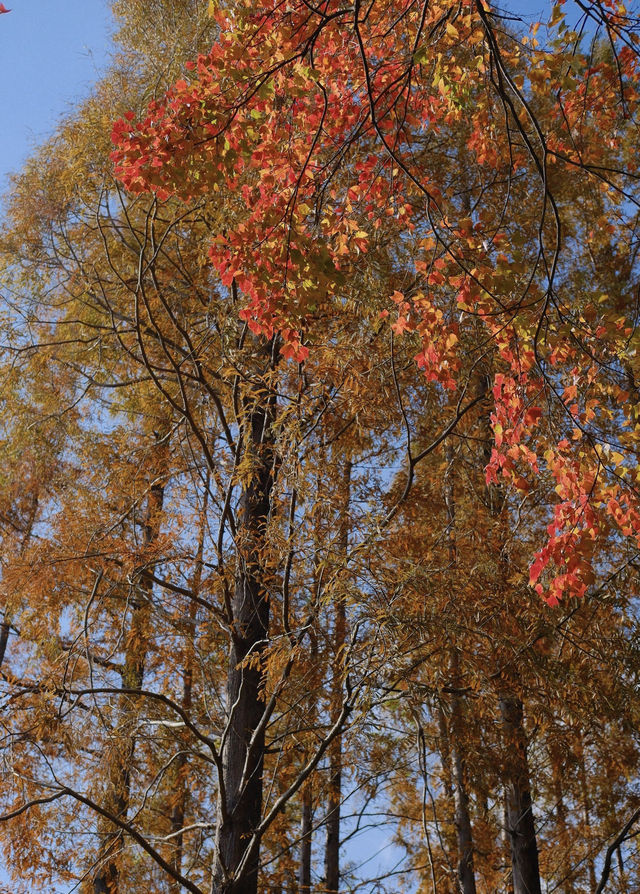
(331, 120)
(181, 411)
(325, 230)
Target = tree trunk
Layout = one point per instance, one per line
(182, 795)
(306, 827)
(518, 809)
(444, 748)
(306, 818)
(566, 882)
(464, 835)
(586, 812)
(519, 812)
(334, 796)
(462, 819)
(107, 878)
(506, 849)
(240, 798)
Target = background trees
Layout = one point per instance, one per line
(294, 426)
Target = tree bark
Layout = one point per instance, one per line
(236, 860)
(518, 803)
(334, 796)
(518, 807)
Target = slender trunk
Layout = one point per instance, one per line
(182, 794)
(180, 807)
(5, 627)
(444, 749)
(566, 883)
(462, 819)
(107, 878)
(464, 834)
(306, 826)
(586, 812)
(519, 811)
(334, 797)
(306, 818)
(240, 800)
(506, 848)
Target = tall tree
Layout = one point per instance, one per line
(350, 254)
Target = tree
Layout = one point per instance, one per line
(332, 154)
(337, 381)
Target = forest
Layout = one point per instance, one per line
(319, 457)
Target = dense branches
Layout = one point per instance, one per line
(304, 408)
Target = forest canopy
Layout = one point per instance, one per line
(319, 420)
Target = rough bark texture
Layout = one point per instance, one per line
(240, 801)
(518, 804)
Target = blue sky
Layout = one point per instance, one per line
(51, 51)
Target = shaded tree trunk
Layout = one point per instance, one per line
(506, 848)
(240, 799)
(518, 803)
(519, 823)
(334, 795)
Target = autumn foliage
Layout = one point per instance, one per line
(319, 506)
(501, 168)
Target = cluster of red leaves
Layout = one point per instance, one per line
(309, 123)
